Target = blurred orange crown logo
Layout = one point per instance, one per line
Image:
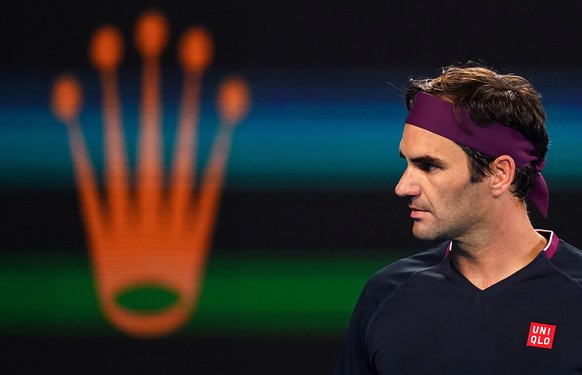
(141, 230)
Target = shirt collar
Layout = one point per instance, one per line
(550, 248)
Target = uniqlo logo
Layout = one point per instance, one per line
(541, 335)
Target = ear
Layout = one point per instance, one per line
(502, 174)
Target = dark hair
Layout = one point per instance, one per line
(505, 98)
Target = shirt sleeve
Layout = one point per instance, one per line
(354, 359)
(357, 357)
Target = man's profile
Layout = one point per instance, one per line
(496, 296)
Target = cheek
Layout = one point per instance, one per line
(469, 200)
(456, 197)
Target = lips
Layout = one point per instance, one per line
(416, 212)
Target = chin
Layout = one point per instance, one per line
(426, 234)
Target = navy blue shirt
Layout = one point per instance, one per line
(420, 315)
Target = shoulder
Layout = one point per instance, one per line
(386, 280)
(568, 260)
(355, 357)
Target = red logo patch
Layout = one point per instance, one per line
(541, 335)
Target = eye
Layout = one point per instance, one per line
(428, 166)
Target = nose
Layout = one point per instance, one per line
(407, 186)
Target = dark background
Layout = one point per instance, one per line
(45, 38)
(314, 34)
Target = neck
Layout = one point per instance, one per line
(498, 251)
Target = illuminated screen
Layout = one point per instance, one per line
(211, 208)
(308, 135)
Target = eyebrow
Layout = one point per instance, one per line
(424, 159)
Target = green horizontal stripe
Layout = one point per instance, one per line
(54, 294)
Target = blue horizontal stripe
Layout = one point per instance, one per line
(305, 130)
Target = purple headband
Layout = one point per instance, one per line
(494, 139)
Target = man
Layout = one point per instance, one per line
(497, 296)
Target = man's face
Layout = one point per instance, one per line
(444, 203)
